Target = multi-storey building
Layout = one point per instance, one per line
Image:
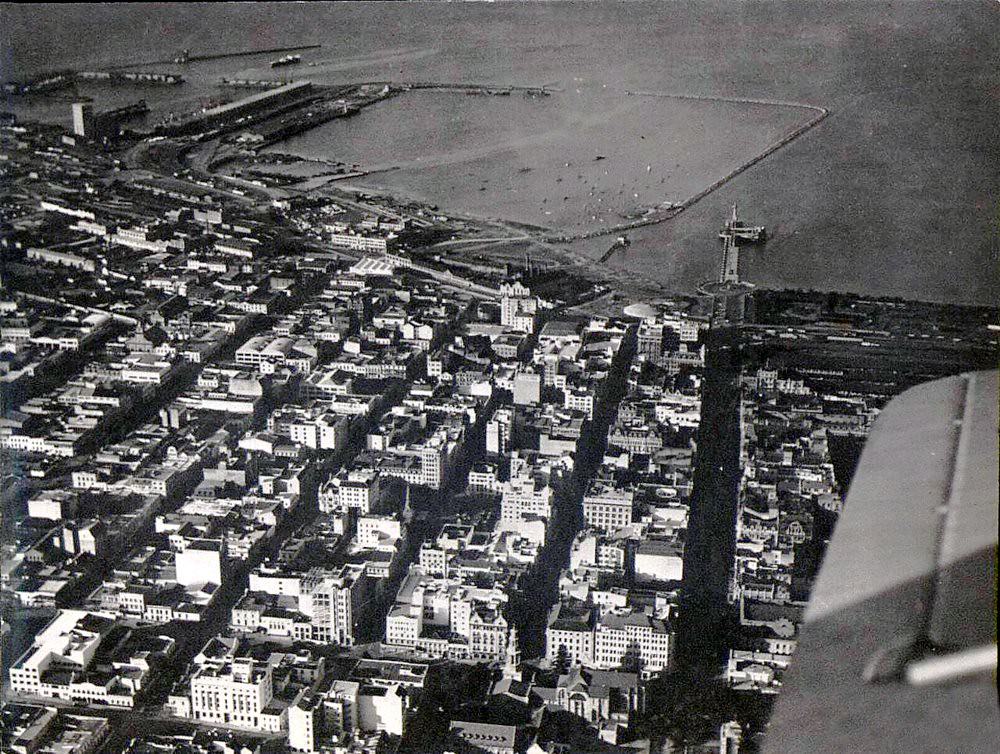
(607, 508)
(350, 489)
(633, 639)
(579, 399)
(332, 601)
(595, 550)
(487, 632)
(378, 244)
(518, 307)
(498, 432)
(234, 692)
(70, 660)
(313, 426)
(374, 530)
(525, 496)
(305, 723)
(266, 353)
(634, 436)
(569, 635)
(444, 617)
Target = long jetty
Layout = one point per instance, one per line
(245, 53)
(736, 100)
(820, 114)
(492, 89)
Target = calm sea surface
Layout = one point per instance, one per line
(894, 194)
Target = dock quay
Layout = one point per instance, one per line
(298, 123)
(128, 111)
(57, 80)
(254, 83)
(135, 77)
(48, 82)
(265, 103)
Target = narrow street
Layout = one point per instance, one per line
(542, 588)
(708, 554)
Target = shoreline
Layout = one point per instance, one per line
(539, 238)
(655, 215)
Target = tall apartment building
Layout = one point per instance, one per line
(305, 723)
(527, 388)
(317, 429)
(83, 117)
(498, 432)
(200, 562)
(433, 464)
(427, 462)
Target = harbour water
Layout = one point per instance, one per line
(579, 160)
(894, 194)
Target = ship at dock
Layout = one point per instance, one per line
(286, 60)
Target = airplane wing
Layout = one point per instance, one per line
(898, 650)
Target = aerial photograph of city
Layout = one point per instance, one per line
(499, 377)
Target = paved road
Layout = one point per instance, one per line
(542, 588)
(711, 536)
